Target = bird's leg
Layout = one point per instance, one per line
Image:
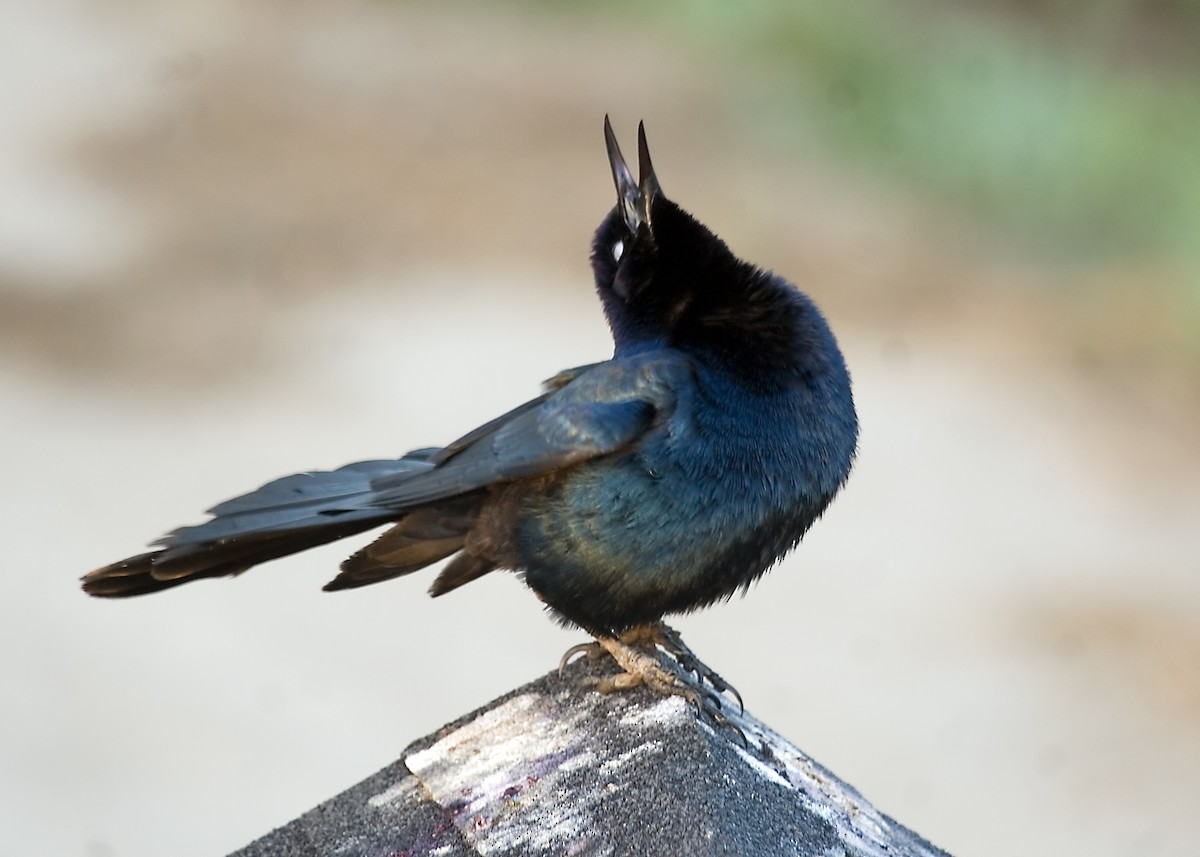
(637, 655)
(636, 652)
(656, 656)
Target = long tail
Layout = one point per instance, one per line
(291, 515)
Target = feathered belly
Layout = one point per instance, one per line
(625, 545)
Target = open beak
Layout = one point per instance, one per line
(635, 200)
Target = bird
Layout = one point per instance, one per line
(657, 482)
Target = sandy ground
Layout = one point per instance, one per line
(237, 243)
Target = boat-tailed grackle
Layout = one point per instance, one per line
(656, 482)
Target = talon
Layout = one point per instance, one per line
(656, 656)
(724, 722)
(590, 650)
(668, 639)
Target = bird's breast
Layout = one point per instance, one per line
(700, 507)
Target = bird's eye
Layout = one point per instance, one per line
(617, 250)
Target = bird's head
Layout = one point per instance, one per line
(667, 281)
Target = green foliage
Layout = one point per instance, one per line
(1052, 142)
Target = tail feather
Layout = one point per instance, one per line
(424, 536)
(463, 569)
(282, 517)
(301, 501)
(157, 570)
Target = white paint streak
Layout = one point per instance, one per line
(390, 795)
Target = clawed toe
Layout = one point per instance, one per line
(656, 656)
(591, 651)
(615, 682)
(670, 641)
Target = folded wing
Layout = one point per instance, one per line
(433, 495)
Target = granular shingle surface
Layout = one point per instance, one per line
(554, 768)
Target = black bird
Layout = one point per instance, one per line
(657, 482)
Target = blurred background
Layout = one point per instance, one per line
(239, 240)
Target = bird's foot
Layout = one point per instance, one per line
(669, 640)
(656, 656)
